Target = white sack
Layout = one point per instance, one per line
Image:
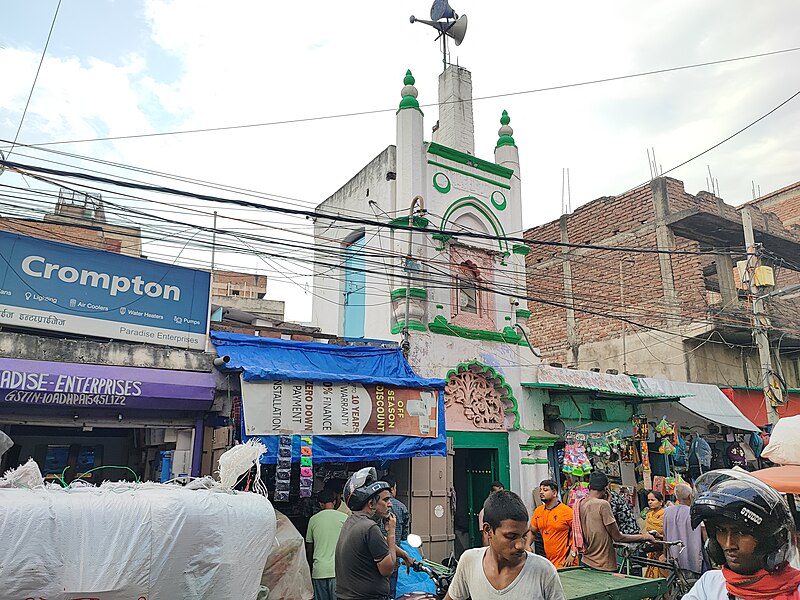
(784, 442)
(123, 541)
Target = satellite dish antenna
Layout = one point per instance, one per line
(449, 25)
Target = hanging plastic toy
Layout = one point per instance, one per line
(664, 428)
(666, 447)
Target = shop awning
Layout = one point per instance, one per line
(306, 388)
(557, 379)
(47, 385)
(704, 400)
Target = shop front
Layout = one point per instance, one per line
(100, 422)
(324, 411)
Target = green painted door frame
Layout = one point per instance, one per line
(488, 460)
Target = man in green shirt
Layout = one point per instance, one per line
(323, 534)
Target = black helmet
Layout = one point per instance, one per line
(737, 496)
(362, 485)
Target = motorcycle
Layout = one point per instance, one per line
(441, 575)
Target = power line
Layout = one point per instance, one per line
(31, 169)
(386, 110)
(35, 79)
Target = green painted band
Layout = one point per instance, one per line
(440, 306)
(534, 461)
(523, 313)
(468, 159)
(468, 174)
(507, 336)
(415, 325)
(521, 249)
(420, 222)
(398, 293)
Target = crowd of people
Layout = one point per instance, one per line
(737, 535)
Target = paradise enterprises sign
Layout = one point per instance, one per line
(338, 408)
(27, 383)
(60, 287)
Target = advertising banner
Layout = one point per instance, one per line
(61, 287)
(29, 383)
(338, 408)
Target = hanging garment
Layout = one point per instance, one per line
(702, 451)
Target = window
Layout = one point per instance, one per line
(471, 303)
(468, 296)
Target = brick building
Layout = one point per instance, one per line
(682, 313)
(783, 203)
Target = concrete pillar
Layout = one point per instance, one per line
(456, 126)
(665, 240)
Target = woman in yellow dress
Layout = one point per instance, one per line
(654, 523)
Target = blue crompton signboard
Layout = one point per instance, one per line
(60, 287)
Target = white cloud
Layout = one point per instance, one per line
(253, 62)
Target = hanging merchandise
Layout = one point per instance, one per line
(659, 484)
(627, 451)
(645, 458)
(598, 445)
(283, 471)
(736, 456)
(641, 430)
(614, 438)
(664, 428)
(306, 467)
(577, 492)
(666, 447)
(576, 462)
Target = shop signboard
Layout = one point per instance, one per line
(26, 384)
(64, 288)
(338, 408)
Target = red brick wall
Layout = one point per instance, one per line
(68, 234)
(596, 273)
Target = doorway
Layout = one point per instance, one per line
(480, 458)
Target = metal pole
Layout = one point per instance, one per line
(624, 329)
(405, 345)
(759, 319)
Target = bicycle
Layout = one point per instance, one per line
(676, 582)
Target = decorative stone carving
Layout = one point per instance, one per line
(483, 394)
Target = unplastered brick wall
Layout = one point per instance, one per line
(68, 234)
(608, 285)
(784, 203)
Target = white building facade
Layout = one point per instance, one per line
(452, 282)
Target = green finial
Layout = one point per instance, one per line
(409, 92)
(505, 131)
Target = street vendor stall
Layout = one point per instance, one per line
(581, 583)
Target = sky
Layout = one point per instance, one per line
(131, 67)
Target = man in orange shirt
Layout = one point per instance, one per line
(553, 520)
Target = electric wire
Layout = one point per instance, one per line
(387, 110)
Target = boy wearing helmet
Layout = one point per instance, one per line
(750, 534)
(365, 559)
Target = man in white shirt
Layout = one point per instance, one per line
(504, 569)
(749, 529)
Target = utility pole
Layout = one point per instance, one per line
(772, 392)
(416, 204)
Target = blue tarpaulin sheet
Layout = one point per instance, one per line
(268, 359)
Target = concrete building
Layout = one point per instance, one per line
(449, 281)
(245, 292)
(679, 310)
